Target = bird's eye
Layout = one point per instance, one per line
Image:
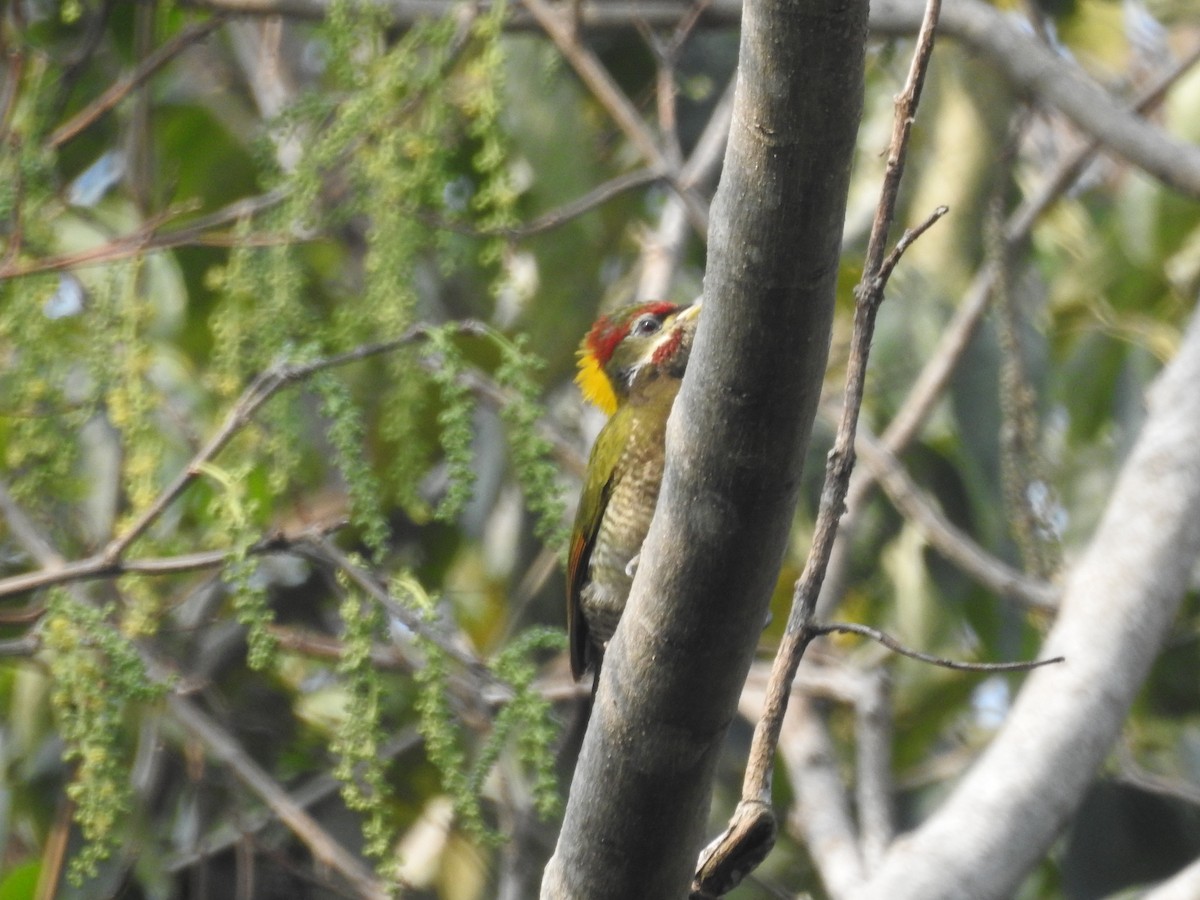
(646, 325)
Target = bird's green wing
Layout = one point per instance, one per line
(597, 488)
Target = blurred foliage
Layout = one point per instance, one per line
(337, 206)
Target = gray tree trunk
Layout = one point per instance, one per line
(639, 803)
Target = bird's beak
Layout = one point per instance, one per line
(689, 313)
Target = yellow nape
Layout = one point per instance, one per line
(595, 385)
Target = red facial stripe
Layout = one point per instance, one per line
(667, 348)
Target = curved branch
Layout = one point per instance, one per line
(1184, 885)
(1117, 607)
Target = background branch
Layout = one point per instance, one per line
(1031, 67)
(1041, 74)
(1117, 605)
(219, 743)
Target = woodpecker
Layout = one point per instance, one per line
(630, 365)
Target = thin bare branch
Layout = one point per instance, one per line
(906, 240)
(308, 794)
(573, 209)
(821, 814)
(97, 567)
(662, 250)
(896, 647)
(147, 238)
(331, 554)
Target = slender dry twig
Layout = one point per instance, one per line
(666, 92)
(666, 53)
(560, 215)
(97, 567)
(821, 817)
(728, 859)
(589, 201)
(121, 88)
(318, 645)
(896, 647)
(307, 795)
(906, 240)
(329, 553)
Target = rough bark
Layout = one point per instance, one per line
(638, 807)
(1119, 602)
